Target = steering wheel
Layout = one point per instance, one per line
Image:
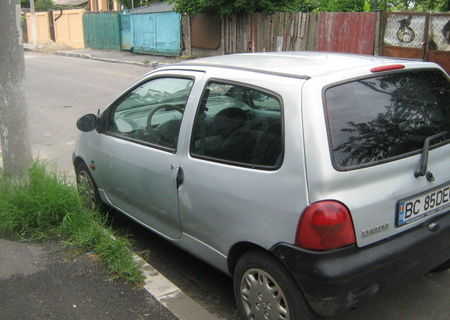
(152, 132)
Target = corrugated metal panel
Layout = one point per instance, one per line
(206, 31)
(102, 30)
(347, 32)
(126, 32)
(157, 33)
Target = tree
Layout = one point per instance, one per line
(40, 5)
(341, 5)
(227, 7)
(418, 5)
(44, 5)
(14, 134)
(138, 3)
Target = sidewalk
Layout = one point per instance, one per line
(47, 281)
(43, 281)
(116, 56)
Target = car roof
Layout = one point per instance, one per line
(296, 64)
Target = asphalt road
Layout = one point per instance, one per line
(61, 89)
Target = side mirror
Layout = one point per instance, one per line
(87, 123)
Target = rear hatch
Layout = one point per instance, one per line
(389, 151)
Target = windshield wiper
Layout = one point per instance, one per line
(423, 163)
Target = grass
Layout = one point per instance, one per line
(47, 206)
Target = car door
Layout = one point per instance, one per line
(139, 150)
(238, 184)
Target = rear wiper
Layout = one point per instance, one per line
(423, 163)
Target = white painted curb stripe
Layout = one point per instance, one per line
(169, 295)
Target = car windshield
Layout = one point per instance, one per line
(385, 117)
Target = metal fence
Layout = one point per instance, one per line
(156, 33)
(419, 36)
(102, 30)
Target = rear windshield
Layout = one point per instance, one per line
(385, 117)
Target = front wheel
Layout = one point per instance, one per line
(87, 188)
(264, 290)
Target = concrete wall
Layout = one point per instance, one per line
(42, 27)
(69, 28)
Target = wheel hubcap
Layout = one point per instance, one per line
(86, 189)
(262, 297)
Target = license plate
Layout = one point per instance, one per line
(423, 205)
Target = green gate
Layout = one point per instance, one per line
(102, 30)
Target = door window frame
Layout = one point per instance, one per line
(108, 113)
(230, 162)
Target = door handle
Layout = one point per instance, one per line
(180, 177)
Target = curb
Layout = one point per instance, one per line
(88, 56)
(151, 65)
(170, 296)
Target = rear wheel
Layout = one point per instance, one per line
(264, 290)
(442, 267)
(87, 188)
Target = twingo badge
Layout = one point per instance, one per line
(374, 230)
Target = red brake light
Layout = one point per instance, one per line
(325, 225)
(387, 68)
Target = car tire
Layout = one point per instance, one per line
(264, 290)
(87, 188)
(442, 267)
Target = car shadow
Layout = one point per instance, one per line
(424, 298)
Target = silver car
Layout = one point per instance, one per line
(315, 180)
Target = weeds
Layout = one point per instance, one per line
(47, 206)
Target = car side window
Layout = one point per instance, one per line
(152, 112)
(238, 125)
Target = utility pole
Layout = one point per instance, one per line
(33, 23)
(14, 133)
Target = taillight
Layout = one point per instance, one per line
(325, 225)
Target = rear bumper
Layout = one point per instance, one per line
(335, 281)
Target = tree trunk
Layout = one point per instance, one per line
(14, 133)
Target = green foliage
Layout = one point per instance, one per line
(341, 5)
(46, 205)
(300, 6)
(43, 5)
(227, 7)
(417, 5)
(39, 5)
(138, 3)
(25, 3)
